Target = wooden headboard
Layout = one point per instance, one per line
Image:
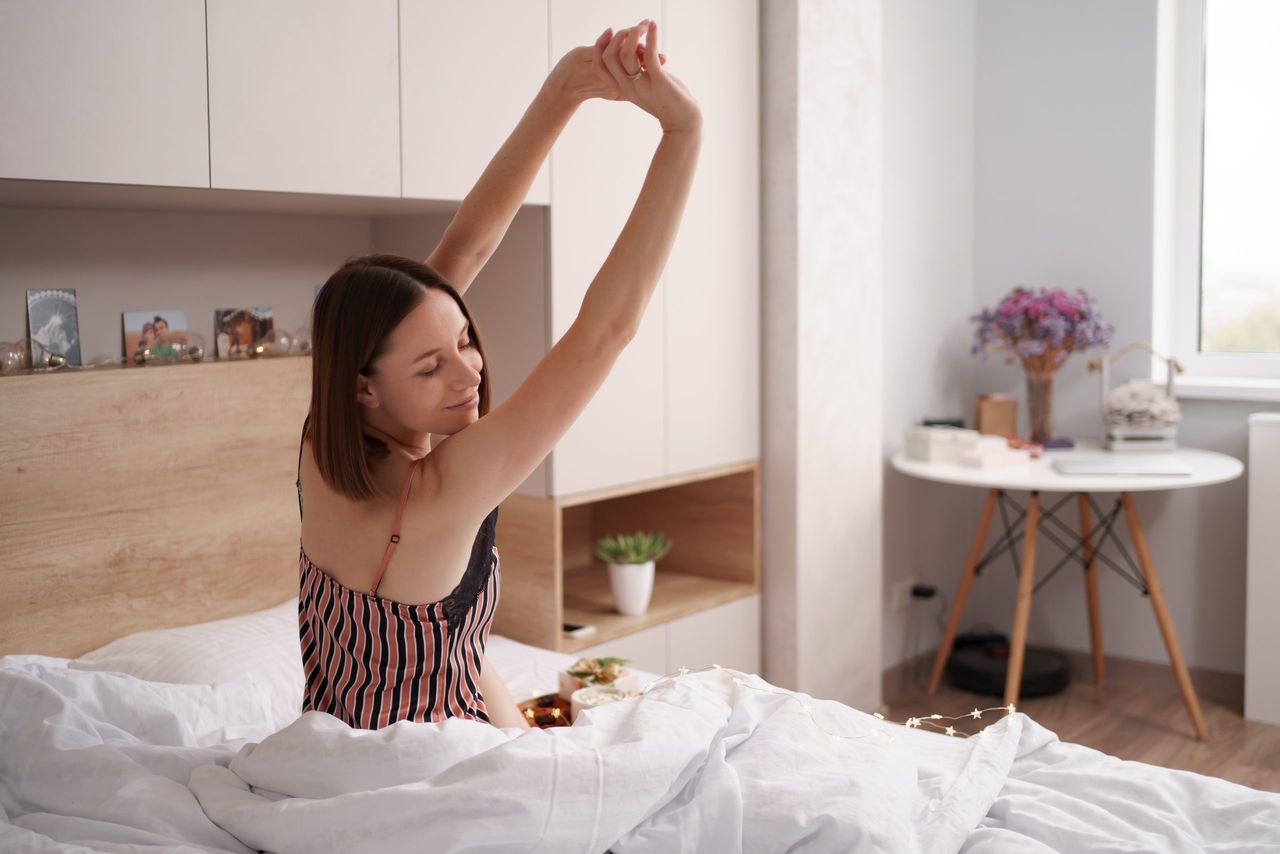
(146, 497)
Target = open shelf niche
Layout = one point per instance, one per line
(550, 576)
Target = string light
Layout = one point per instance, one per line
(911, 722)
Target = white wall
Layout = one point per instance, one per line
(1064, 125)
(1062, 143)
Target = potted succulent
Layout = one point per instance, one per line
(631, 559)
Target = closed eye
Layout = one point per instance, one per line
(469, 344)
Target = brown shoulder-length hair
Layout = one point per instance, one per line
(353, 315)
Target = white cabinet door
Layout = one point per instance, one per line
(597, 169)
(303, 96)
(728, 635)
(646, 649)
(468, 72)
(713, 277)
(111, 92)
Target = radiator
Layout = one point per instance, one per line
(1262, 585)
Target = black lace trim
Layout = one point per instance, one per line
(479, 568)
(298, 480)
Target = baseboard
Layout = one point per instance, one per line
(1214, 685)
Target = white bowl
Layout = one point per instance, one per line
(592, 696)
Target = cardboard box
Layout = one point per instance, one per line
(997, 414)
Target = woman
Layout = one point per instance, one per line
(396, 359)
(146, 338)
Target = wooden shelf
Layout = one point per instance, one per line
(551, 576)
(590, 497)
(588, 599)
(120, 368)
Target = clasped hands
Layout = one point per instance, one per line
(618, 67)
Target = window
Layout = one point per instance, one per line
(1218, 149)
(1240, 210)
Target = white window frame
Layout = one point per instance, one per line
(1179, 138)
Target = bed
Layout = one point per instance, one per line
(189, 739)
(150, 682)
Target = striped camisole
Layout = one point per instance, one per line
(371, 661)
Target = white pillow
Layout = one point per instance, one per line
(259, 647)
(263, 647)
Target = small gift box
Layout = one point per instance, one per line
(993, 451)
(598, 671)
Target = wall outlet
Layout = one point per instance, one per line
(901, 597)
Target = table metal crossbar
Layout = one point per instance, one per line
(1014, 532)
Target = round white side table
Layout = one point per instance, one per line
(1036, 520)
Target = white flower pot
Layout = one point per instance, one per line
(632, 585)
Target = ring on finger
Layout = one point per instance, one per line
(636, 75)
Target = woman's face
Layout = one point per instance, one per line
(429, 366)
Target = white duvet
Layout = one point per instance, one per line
(103, 761)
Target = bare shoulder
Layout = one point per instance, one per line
(428, 501)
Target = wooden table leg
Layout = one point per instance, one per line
(962, 594)
(1162, 617)
(1091, 590)
(1022, 613)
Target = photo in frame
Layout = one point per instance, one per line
(53, 325)
(239, 330)
(157, 329)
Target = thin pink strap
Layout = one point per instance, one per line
(395, 530)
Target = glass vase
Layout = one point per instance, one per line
(1040, 404)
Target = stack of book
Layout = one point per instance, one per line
(1123, 438)
(938, 444)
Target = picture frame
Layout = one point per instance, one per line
(153, 333)
(53, 325)
(239, 332)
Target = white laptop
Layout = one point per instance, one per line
(1121, 464)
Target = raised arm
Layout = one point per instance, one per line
(485, 214)
(484, 463)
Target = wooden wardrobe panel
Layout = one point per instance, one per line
(145, 498)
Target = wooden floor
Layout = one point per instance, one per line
(1137, 714)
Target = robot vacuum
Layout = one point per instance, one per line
(980, 663)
